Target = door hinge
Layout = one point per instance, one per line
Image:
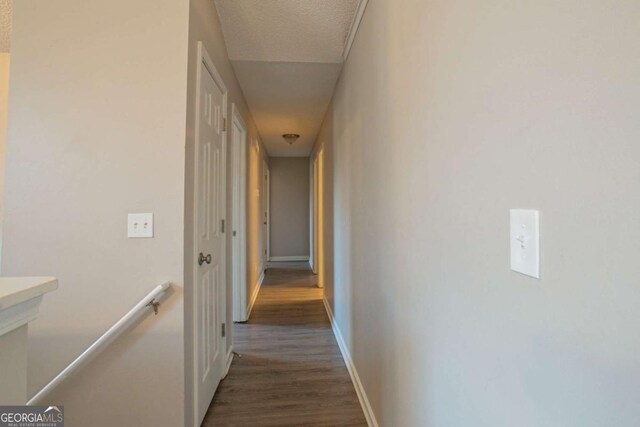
(224, 124)
(222, 226)
(224, 330)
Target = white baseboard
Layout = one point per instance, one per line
(229, 360)
(355, 378)
(255, 294)
(289, 258)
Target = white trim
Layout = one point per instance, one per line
(319, 222)
(19, 315)
(312, 219)
(268, 209)
(355, 378)
(229, 360)
(314, 215)
(223, 215)
(239, 242)
(254, 297)
(289, 258)
(355, 24)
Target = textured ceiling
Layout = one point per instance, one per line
(5, 25)
(287, 97)
(286, 30)
(287, 55)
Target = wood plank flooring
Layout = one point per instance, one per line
(291, 372)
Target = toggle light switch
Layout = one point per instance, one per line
(140, 225)
(525, 241)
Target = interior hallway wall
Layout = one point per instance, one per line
(96, 131)
(204, 25)
(4, 106)
(289, 207)
(448, 114)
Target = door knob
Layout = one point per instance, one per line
(202, 259)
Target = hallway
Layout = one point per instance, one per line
(291, 372)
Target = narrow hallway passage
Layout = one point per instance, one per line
(290, 372)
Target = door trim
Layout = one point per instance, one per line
(316, 229)
(312, 219)
(313, 258)
(268, 209)
(319, 254)
(205, 59)
(239, 217)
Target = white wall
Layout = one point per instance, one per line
(289, 207)
(13, 366)
(4, 104)
(448, 113)
(97, 127)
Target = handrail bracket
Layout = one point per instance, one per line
(155, 304)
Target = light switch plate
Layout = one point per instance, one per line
(525, 241)
(140, 225)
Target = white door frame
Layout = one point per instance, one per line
(204, 58)
(312, 217)
(239, 215)
(314, 213)
(267, 210)
(317, 263)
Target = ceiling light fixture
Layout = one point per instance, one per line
(291, 137)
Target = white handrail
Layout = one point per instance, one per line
(150, 301)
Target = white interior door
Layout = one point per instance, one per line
(238, 225)
(209, 243)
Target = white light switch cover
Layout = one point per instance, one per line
(525, 241)
(140, 225)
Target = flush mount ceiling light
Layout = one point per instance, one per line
(291, 137)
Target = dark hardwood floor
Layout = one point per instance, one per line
(290, 372)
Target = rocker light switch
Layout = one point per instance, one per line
(140, 225)
(525, 242)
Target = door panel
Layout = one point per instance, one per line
(210, 245)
